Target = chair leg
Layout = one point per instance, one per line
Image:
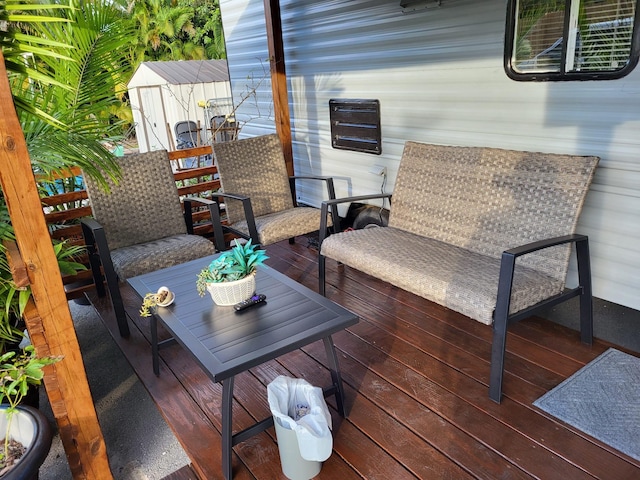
(586, 297)
(498, 348)
(321, 275)
(118, 307)
(500, 323)
(113, 286)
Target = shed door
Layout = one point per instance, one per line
(154, 118)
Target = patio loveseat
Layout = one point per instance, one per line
(483, 231)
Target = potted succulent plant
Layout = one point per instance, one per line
(230, 278)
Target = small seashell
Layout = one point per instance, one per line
(164, 297)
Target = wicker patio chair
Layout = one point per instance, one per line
(259, 194)
(139, 225)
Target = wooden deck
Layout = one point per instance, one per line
(416, 391)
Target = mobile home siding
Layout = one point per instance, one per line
(439, 78)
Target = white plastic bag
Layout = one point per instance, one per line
(299, 406)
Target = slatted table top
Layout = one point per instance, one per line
(226, 342)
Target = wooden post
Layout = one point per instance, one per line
(279, 79)
(66, 380)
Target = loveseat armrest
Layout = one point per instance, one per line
(333, 204)
(502, 318)
(542, 244)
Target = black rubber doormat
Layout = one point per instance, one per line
(602, 399)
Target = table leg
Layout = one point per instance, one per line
(227, 423)
(154, 345)
(335, 374)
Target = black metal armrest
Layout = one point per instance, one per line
(248, 215)
(542, 244)
(508, 262)
(331, 192)
(333, 204)
(214, 214)
(100, 255)
(502, 318)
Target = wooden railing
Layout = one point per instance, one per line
(63, 211)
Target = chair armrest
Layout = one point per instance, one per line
(248, 215)
(97, 250)
(214, 214)
(542, 244)
(331, 192)
(333, 203)
(508, 262)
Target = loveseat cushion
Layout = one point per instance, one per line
(457, 278)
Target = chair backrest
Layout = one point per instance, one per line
(143, 206)
(488, 200)
(254, 167)
(223, 128)
(186, 133)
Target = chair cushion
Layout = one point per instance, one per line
(459, 279)
(166, 252)
(285, 224)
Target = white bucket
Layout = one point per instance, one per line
(293, 465)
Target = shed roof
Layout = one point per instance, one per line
(180, 72)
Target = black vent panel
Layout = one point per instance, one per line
(355, 125)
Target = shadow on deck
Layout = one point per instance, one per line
(416, 382)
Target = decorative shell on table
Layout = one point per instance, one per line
(164, 297)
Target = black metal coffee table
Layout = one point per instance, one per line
(225, 342)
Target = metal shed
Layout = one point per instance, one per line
(165, 93)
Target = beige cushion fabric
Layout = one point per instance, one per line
(166, 252)
(283, 225)
(459, 279)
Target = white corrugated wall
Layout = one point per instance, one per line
(438, 75)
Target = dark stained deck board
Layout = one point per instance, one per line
(416, 380)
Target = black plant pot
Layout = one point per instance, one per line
(30, 427)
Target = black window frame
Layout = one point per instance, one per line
(509, 39)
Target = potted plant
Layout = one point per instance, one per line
(230, 278)
(27, 434)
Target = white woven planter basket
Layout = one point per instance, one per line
(230, 293)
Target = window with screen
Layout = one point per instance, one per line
(570, 39)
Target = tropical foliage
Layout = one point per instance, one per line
(87, 91)
(176, 30)
(64, 68)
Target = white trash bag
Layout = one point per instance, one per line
(299, 406)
